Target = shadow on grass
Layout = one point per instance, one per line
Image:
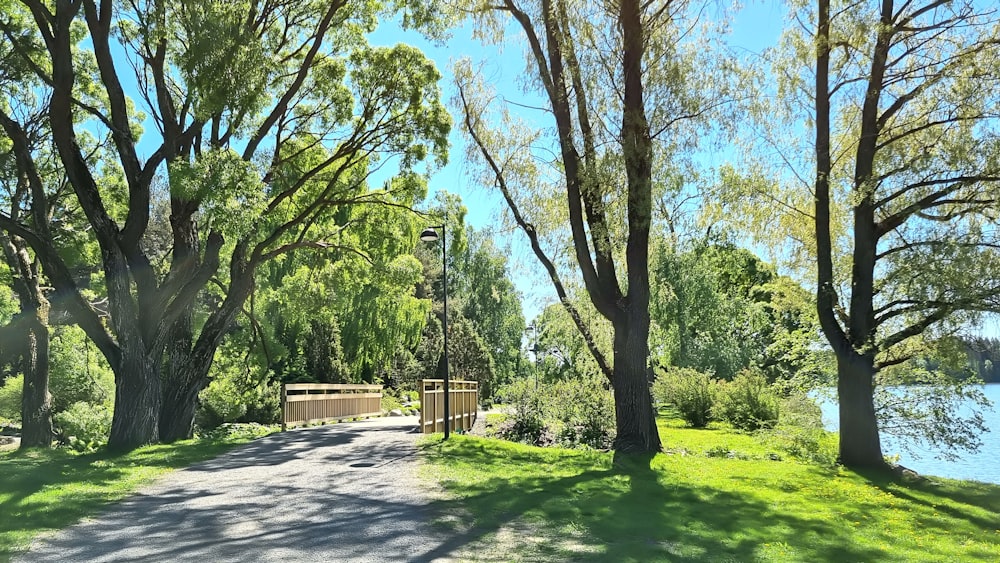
(977, 504)
(631, 510)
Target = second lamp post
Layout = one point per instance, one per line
(430, 234)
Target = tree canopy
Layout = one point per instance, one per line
(266, 119)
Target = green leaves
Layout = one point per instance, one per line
(397, 90)
(228, 189)
(224, 61)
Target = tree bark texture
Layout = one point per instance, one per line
(635, 420)
(187, 370)
(180, 384)
(137, 399)
(36, 402)
(860, 445)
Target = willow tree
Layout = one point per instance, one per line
(906, 127)
(611, 78)
(897, 200)
(29, 197)
(26, 336)
(266, 117)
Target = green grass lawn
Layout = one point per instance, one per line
(43, 490)
(510, 502)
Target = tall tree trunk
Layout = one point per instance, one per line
(635, 420)
(187, 373)
(860, 446)
(31, 330)
(36, 402)
(181, 384)
(859, 439)
(137, 398)
(180, 403)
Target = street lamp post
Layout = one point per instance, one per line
(430, 235)
(534, 350)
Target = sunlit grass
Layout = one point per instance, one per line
(43, 490)
(510, 502)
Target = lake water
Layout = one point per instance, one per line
(981, 466)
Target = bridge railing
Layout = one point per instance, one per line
(308, 403)
(463, 399)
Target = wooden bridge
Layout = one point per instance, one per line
(312, 403)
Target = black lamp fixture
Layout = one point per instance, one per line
(430, 234)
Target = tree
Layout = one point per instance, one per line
(720, 309)
(923, 183)
(365, 290)
(485, 323)
(26, 337)
(900, 100)
(561, 351)
(611, 76)
(271, 79)
(469, 356)
(486, 297)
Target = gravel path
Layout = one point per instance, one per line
(339, 493)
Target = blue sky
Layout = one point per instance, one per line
(754, 28)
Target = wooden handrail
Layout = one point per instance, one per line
(308, 403)
(463, 399)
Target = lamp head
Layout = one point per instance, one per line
(429, 235)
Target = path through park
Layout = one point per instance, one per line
(343, 492)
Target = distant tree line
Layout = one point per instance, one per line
(984, 357)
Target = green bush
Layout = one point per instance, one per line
(238, 393)
(222, 401)
(78, 371)
(747, 402)
(84, 426)
(10, 399)
(524, 422)
(390, 402)
(585, 411)
(690, 392)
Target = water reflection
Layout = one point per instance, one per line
(981, 466)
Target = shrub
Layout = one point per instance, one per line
(390, 402)
(692, 393)
(525, 423)
(585, 411)
(238, 392)
(747, 402)
(84, 426)
(10, 399)
(221, 402)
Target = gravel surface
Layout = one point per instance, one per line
(339, 493)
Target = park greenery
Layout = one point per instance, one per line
(200, 201)
(714, 495)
